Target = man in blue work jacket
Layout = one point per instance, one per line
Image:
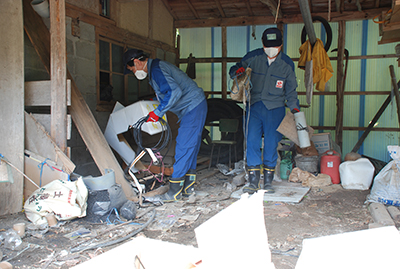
(179, 94)
(273, 86)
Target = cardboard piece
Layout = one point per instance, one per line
(372, 248)
(40, 174)
(288, 128)
(322, 142)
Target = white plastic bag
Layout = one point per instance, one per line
(356, 175)
(386, 187)
(66, 199)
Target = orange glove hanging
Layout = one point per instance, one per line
(152, 117)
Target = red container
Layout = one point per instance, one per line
(330, 161)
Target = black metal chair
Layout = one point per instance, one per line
(226, 126)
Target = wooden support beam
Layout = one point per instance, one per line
(80, 112)
(192, 9)
(249, 8)
(168, 7)
(150, 19)
(287, 19)
(37, 93)
(224, 64)
(220, 9)
(273, 7)
(396, 91)
(340, 84)
(58, 74)
(372, 123)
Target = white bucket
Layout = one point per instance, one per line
(41, 7)
(302, 129)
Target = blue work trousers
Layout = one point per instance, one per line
(263, 122)
(188, 141)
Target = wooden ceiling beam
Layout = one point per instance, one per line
(249, 8)
(168, 7)
(273, 7)
(192, 9)
(221, 11)
(287, 19)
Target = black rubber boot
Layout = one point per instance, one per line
(188, 186)
(268, 177)
(254, 180)
(175, 190)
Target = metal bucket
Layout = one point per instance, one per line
(307, 163)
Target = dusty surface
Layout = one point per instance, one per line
(323, 211)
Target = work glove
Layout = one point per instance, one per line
(152, 117)
(240, 71)
(295, 110)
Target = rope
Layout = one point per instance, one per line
(40, 166)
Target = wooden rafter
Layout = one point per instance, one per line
(168, 7)
(261, 20)
(221, 11)
(273, 7)
(249, 8)
(192, 9)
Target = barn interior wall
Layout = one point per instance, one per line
(362, 75)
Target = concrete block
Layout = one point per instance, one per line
(394, 213)
(85, 86)
(70, 48)
(88, 32)
(86, 50)
(86, 68)
(380, 214)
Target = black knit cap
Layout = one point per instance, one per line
(130, 55)
(272, 37)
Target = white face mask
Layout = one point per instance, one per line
(141, 74)
(271, 51)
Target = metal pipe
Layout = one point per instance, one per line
(307, 19)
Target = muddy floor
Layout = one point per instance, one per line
(323, 211)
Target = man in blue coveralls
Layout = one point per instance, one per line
(274, 86)
(179, 94)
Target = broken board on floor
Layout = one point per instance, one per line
(284, 192)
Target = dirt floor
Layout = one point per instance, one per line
(323, 211)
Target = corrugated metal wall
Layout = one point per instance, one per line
(362, 75)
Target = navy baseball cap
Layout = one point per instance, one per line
(272, 37)
(130, 55)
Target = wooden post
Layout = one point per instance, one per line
(396, 91)
(80, 112)
(340, 84)
(58, 74)
(11, 103)
(224, 63)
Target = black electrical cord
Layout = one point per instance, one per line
(163, 142)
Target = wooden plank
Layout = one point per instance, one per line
(288, 19)
(12, 102)
(58, 75)
(396, 91)
(372, 123)
(45, 121)
(340, 85)
(39, 141)
(224, 63)
(80, 112)
(37, 93)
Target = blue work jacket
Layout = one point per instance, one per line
(272, 84)
(175, 91)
